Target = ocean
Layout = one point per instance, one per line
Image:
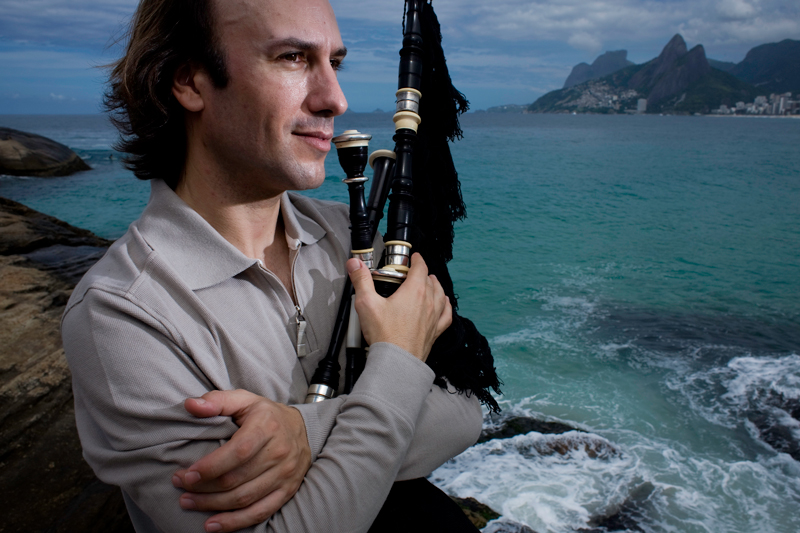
(637, 278)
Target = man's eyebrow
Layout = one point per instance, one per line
(303, 46)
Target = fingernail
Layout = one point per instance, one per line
(353, 265)
(177, 482)
(187, 503)
(214, 526)
(192, 477)
(200, 401)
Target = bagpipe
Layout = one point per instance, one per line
(421, 184)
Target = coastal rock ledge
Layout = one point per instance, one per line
(45, 485)
(26, 154)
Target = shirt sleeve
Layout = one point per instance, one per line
(130, 379)
(449, 423)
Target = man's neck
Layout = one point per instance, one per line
(250, 225)
(254, 227)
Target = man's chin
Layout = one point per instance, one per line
(309, 183)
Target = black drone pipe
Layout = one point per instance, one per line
(424, 203)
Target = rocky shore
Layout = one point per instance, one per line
(44, 483)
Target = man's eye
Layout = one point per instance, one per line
(292, 57)
(337, 64)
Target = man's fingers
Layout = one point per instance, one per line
(206, 475)
(232, 403)
(239, 498)
(254, 514)
(252, 437)
(418, 270)
(201, 408)
(445, 319)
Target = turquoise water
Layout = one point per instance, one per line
(637, 277)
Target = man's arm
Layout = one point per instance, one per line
(136, 432)
(448, 424)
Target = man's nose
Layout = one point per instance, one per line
(326, 97)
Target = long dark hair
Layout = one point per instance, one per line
(163, 36)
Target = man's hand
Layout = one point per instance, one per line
(412, 318)
(257, 471)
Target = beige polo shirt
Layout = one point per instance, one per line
(173, 310)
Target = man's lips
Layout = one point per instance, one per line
(318, 139)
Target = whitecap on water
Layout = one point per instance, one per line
(761, 392)
(619, 478)
(549, 482)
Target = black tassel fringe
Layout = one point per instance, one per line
(461, 355)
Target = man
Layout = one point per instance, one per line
(226, 105)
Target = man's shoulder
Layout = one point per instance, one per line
(118, 270)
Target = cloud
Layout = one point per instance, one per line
(585, 41)
(591, 24)
(503, 47)
(88, 23)
(57, 96)
(735, 9)
(46, 60)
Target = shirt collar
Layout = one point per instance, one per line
(300, 228)
(194, 249)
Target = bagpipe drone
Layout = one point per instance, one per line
(424, 203)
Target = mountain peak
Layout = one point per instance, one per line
(604, 65)
(677, 45)
(672, 72)
(675, 49)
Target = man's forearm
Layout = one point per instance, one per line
(353, 473)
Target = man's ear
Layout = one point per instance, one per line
(185, 87)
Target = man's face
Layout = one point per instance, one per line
(270, 128)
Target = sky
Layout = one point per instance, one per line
(498, 51)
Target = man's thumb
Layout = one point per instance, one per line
(359, 275)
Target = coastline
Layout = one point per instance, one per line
(754, 116)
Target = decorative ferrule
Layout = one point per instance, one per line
(366, 256)
(389, 276)
(352, 147)
(318, 393)
(406, 120)
(397, 263)
(398, 255)
(351, 138)
(408, 100)
(380, 153)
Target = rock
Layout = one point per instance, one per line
(777, 421)
(26, 154)
(41, 465)
(505, 525)
(496, 427)
(567, 444)
(23, 230)
(478, 513)
(626, 517)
